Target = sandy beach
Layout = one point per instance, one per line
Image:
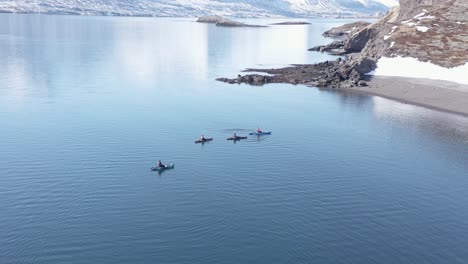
(436, 94)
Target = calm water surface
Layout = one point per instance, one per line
(88, 104)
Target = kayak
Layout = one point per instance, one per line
(203, 140)
(168, 167)
(260, 134)
(236, 138)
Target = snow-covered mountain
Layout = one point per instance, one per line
(193, 8)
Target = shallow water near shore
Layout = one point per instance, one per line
(89, 104)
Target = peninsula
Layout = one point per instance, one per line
(421, 44)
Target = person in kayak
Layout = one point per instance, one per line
(202, 138)
(259, 130)
(235, 135)
(160, 165)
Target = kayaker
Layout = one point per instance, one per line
(259, 130)
(202, 138)
(235, 135)
(160, 165)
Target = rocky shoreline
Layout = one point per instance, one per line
(345, 30)
(427, 30)
(350, 39)
(433, 94)
(325, 74)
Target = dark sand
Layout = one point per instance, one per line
(436, 94)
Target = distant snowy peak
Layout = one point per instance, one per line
(347, 7)
(191, 8)
(390, 3)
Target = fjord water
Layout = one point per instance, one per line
(89, 104)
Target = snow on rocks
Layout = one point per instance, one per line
(408, 23)
(418, 18)
(426, 17)
(391, 32)
(419, 15)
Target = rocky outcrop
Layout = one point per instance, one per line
(353, 38)
(324, 74)
(359, 40)
(336, 47)
(345, 30)
(223, 22)
(253, 79)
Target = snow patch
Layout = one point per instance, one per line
(419, 15)
(422, 28)
(391, 44)
(413, 68)
(426, 17)
(386, 37)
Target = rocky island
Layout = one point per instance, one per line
(426, 39)
(289, 23)
(224, 22)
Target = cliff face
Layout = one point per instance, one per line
(429, 30)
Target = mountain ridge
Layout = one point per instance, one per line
(187, 8)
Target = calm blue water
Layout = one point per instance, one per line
(88, 104)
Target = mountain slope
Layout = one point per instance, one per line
(190, 8)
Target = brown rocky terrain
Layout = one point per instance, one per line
(435, 31)
(429, 30)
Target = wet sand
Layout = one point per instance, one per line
(436, 94)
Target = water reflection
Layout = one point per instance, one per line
(357, 101)
(46, 56)
(439, 124)
(406, 116)
(148, 50)
(43, 53)
(123, 91)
